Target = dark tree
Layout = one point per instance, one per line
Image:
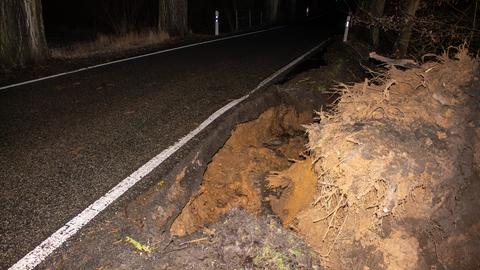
(376, 9)
(293, 10)
(123, 16)
(406, 32)
(272, 10)
(22, 35)
(173, 17)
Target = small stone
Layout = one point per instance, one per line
(444, 99)
(441, 135)
(428, 141)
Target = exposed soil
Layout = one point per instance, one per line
(387, 178)
(295, 190)
(235, 177)
(391, 180)
(395, 167)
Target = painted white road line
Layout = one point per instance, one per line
(137, 57)
(42, 251)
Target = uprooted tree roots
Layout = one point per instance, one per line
(391, 180)
(394, 162)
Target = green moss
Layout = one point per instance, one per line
(321, 88)
(270, 256)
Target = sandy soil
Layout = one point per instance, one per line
(235, 176)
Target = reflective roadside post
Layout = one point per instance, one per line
(217, 15)
(347, 26)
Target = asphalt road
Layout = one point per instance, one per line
(65, 142)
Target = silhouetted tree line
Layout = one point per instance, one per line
(417, 27)
(22, 31)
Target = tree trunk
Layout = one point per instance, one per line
(377, 9)
(235, 13)
(474, 23)
(173, 17)
(226, 9)
(272, 10)
(22, 36)
(293, 10)
(406, 32)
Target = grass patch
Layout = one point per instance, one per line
(272, 257)
(110, 43)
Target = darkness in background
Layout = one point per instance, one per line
(67, 22)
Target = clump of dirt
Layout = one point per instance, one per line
(240, 241)
(395, 162)
(294, 188)
(235, 177)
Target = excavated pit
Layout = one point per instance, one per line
(263, 168)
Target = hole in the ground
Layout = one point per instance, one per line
(262, 168)
(315, 61)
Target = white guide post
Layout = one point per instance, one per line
(217, 30)
(347, 27)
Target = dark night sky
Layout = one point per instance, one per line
(70, 21)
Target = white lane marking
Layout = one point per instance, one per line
(137, 57)
(42, 251)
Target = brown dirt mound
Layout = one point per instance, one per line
(395, 167)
